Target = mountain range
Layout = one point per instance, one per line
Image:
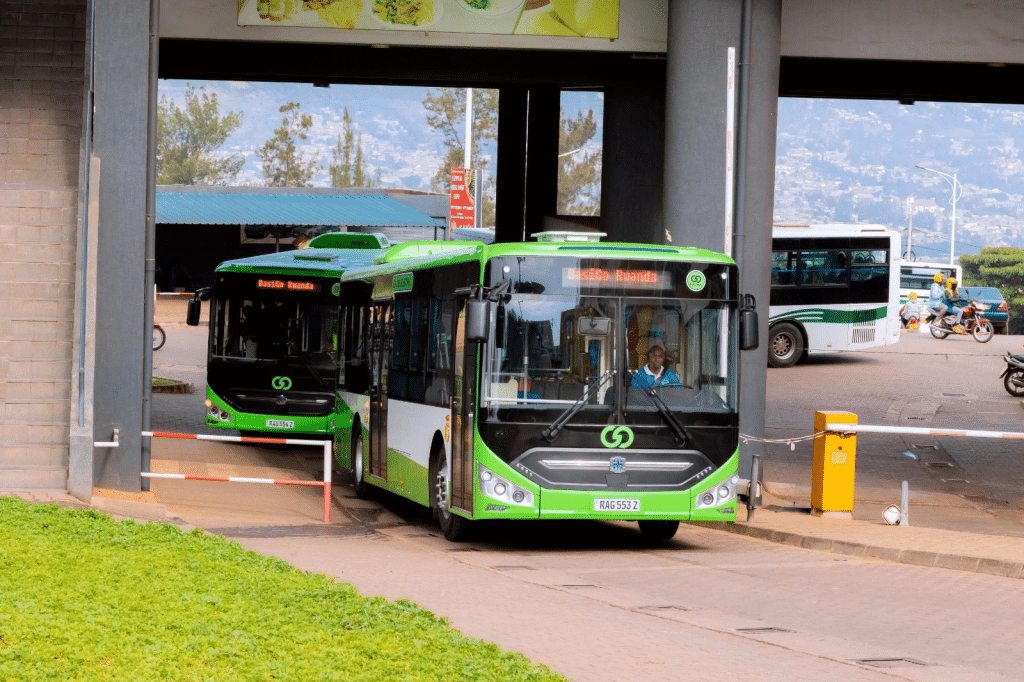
(856, 161)
(836, 161)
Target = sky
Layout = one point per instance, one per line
(391, 119)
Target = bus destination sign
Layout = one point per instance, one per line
(648, 280)
(287, 285)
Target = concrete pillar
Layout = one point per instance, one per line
(633, 167)
(700, 33)
(542, 157)
(119, 152)
(510, 180)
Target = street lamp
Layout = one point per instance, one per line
(958, 191)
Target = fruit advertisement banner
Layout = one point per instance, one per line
(569, 18)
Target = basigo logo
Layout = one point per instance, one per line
(280, 383)
(617, 437)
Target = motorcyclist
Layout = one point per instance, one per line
(911, 311)
(935, 295)
(951, 297)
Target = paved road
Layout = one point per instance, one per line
(919, 382)
(593, 602)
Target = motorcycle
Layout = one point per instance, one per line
(159, 337)
(972, 322)
(1013, 375)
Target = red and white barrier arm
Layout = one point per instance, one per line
(918, 431)
(326, 444)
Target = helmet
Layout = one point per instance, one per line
(938, 277)
(951, 282)
(913, 295)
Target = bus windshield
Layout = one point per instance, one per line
(634, 355)
(270, 330)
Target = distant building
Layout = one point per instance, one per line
(199, 227)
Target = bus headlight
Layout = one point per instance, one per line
(498, 488)
(723, 493)
(214, 412)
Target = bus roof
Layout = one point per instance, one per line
(791, 230)
(329, 262)
(417, 254)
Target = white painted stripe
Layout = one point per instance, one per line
(919, 431)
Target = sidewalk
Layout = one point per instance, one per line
(980, 545)
(783, 521)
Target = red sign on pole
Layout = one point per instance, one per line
(462, 207)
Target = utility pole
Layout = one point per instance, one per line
(958, 191)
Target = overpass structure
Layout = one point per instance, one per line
(690, 90)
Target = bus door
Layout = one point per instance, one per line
(463, 406)
(381, 333)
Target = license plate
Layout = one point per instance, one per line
(280, 424)
(616, 505)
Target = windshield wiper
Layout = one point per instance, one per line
(551, 431)
(682, 435)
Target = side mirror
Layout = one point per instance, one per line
(478, 314)
(748, 323)
(195, 308)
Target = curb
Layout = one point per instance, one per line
(913, 557)
(174, 388)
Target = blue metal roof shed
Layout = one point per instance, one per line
(178, 205)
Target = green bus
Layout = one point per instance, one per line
(272, 362)
(507, 381)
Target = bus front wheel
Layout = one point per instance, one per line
(658, 530)
(362, 488)
(454, 527)
(785, 346)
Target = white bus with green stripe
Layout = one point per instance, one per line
(498, 381)
(834, 287)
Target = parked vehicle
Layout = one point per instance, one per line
(997, 312)
(1013, 375)
(972, 321)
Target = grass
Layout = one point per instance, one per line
(85, 597)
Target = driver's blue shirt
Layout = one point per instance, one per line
(642, 378)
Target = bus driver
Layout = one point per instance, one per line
(654, 373)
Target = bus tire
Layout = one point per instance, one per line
(785, 345)
(658, 530)
(358, 470)
(454, 527)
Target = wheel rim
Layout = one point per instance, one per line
(441, 490)
(984, 331)
(783, 345)
(357, 461)
(1012, 388)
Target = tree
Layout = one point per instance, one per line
(1001, 267)
(340, 167)
(187, 140)
(447, 115)
(343, 170)
(283, 166)
(579, 174)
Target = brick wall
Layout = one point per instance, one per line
(42, 55)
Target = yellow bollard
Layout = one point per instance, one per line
(833, 468)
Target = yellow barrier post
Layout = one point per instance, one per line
(834, 467)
